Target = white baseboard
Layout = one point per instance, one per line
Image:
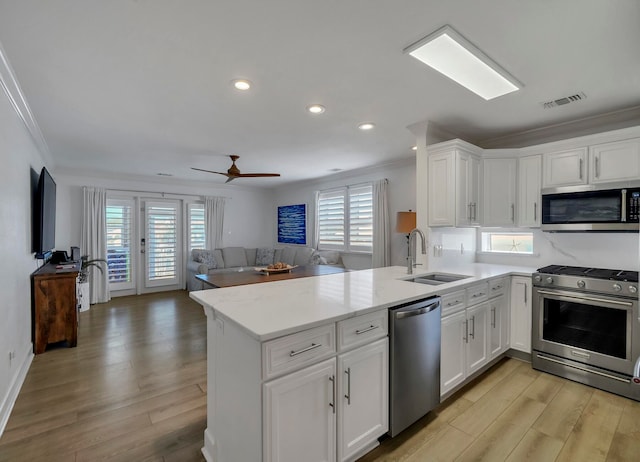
(16, 384)
(209, 450)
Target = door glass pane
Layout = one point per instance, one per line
(162, 241)
(119, 240)
(594, 328)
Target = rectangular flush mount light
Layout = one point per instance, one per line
(451, 54)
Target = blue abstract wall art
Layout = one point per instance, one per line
(292, 224)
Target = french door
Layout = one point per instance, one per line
(161, 244)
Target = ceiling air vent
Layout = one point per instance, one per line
(563, 101)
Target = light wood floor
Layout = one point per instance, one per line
(135, 390)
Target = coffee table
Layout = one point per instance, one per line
(240, 278)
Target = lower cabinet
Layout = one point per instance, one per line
(299, 417)
(498, 326)
(334, 410)
(465, 345)
(521, 313)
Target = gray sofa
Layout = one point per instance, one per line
(232, 259)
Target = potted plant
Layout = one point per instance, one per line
(83, 279)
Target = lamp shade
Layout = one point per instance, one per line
(406, 222)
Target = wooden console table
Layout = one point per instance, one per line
(240, 278)
(54, 315)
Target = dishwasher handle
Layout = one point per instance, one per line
(417, 312)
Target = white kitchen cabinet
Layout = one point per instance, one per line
(529, 183)
(467, 189)
(499, 192)
(300, 415)
(453, 351)
(498, 326)
(454, 185)
(442, 189)
(477, 337)
(363, 398)
(521, 313)
(565, 168)
(618, 161)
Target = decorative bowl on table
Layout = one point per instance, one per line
(276, 268)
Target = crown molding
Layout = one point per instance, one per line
(11, 87)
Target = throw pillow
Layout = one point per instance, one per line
(288, 255)
(234, 257)
(264, 256)
(303, 256)
(208, 259)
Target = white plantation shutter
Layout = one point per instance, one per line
(331, 219)
(119, 241)
(196, 227)
(345, 218)
(162, 241)
(361, 218)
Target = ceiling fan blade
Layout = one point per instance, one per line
(230, 178)
(256, 175)
(209, 171)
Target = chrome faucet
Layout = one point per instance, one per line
(411, 259)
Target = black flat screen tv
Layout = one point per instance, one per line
(44, 217)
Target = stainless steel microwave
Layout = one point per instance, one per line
(588, 208)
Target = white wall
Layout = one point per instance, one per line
(402, 197)
(18, 156)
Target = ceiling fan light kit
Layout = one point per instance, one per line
(234, 172)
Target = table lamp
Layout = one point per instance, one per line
(405, 223)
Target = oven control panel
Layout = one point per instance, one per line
(577, 283)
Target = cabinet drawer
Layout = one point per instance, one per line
(498, 287)
(296, 350)
(478, 293)
(362, 329)
(453, 302)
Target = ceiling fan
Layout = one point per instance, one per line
(234, 171)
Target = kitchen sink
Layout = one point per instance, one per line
(435, 279)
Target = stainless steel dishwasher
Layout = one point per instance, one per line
(414, 361)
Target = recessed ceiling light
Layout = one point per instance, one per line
(316, 109)
(366, 126)
(164, 174)
(414, 148)
(451, 54)
(241, 84)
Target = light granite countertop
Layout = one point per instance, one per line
(270, 310)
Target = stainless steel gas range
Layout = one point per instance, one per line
(586, 326)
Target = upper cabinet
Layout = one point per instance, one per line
(619, 161)
(529, 182)
(453, 186)
(499, 197)
(565, 168)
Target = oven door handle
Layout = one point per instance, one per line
(585, 297)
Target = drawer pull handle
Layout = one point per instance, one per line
(479, 294)
(496, 288)
(362, 331)
(455, 302)
(313, 346)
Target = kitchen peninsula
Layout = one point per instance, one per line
(293, 366)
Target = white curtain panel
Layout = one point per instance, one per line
(93, 240)
(381, 231)
(214, 221)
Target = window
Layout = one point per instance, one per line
(344, 218)
(507, 242)
(119, 240)
(197, 238)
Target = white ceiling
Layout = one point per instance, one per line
(143, 86)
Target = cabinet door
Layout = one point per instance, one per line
(475, 180)
(478, 344)
(619, 161)
(453, 351)
(564, 168)
(299, 415)
(521, 313)
(498, 327)
(463, 204)
(499, 192)
(442, 211)
(363, 397)
(529, 181)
